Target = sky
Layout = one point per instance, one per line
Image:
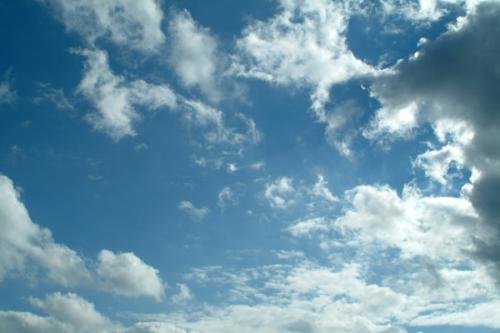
(271, 166)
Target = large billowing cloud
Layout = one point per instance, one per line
(29, 250)
(452, 83)
(128, 23)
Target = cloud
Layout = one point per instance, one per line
(128, 23)
(126, 274)
(226, 197)
(115, 98)
(194, 212)
(303, 45)
(183, 295)
(321, 190)
(279, 193)
(66, 313)
(454, 79)
(408, 222)
(7, 94)
(193, 54)
(30, 251)
(308, 227)
(26, 247)
(53, 95)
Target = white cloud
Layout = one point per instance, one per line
(129, 23)
(321, 190)
(7, 94)
(183, 295)
(126, 274)
(226, 197)
(194, 212)
(115, 98)
(308, 227)
(193, 54)
(278, 193)
(29, 250)
(212, 120)
(26, 247)
(66, 313)
(304, 45)
(455, 136)
(409, 222)
(395, 121)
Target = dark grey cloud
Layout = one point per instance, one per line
(458, 76)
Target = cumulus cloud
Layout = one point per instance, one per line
(126, 274)
(308, 227)
(115, 98)
(321, 190)
(26, 246)
(303, 45)
(7, 94)
(28, 249)
(195, 213)
(279, 193)
(129, 23)
(454, 79)
(409, 222)
(193, 54)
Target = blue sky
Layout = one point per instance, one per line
(249, 166)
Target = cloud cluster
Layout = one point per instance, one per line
(452, 84)
(134, 24)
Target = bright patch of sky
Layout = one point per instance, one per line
(267, 166)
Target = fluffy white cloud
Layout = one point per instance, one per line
(184, 294)
(308, 227)
(195, 213)
(126, 274)
(279, 193)
(135, 24)
(66, 313)
(193, 54)
(26, 247)
(303, 45)
(409, 222)
(321, 190)
(115, 98)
